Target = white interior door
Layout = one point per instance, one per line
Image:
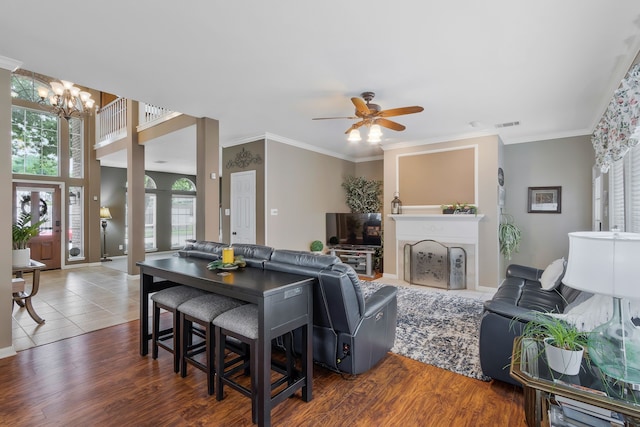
(243, 207)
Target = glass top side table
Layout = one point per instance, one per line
(529, 367)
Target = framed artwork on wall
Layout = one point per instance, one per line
(544, 200)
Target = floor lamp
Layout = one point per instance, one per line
(105, 214)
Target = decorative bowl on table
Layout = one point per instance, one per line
(238, 262)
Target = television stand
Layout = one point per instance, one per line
(360, 258)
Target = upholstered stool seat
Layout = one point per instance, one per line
(242, 324)
(169, 300)
(202, 311)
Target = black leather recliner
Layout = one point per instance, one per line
(350, 334)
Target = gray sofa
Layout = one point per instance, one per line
(350, 334)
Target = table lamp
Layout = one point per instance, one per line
(608, 263)
(105, 214)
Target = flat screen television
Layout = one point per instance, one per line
(350, 229)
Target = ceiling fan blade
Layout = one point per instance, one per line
(331, 118)
(400, 111)
(356, 125)
(389, 124)
(361, 107)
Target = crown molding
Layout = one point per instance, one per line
(292, 142)
(9, 63)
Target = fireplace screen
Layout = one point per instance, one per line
(431, 263)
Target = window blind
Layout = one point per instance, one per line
(616, 195)
(633, 196)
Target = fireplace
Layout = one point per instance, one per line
(459, 231)
(431, 263)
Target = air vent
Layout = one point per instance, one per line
(507, 124)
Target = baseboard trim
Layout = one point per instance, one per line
(7, 352)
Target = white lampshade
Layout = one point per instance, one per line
(43, 92)
(354, 136)
(57, 88)
(604, 262)
(375, 131)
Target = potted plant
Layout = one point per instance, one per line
(21, 232)
(509, 236)
(563, 342)
(459, 208)
(316, 246)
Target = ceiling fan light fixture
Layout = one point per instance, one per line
(354, 136)
(375, 134)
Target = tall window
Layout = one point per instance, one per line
(34, 142)
(150, 226)
(183, 212)
(150, 218)
(624, 192)
(39, 140)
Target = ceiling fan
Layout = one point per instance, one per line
(372, 116)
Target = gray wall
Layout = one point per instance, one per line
(303, 185)
(112, 194)
(566, 162)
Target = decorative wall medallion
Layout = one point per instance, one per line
(243, 159)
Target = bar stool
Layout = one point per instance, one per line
(169, 300)
(202, 310)
(242, 324)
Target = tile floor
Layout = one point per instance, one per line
(80, 300)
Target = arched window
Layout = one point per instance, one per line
(183, 212)
(149, 183)
(150, 216)
(183, 184)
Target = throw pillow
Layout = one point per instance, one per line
(553, 274)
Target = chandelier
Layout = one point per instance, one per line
(66, 100)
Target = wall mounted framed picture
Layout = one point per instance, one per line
(545, 200)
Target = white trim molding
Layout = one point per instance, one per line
(9, 63)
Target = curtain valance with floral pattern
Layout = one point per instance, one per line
(618, 130)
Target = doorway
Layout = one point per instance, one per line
(243, 207)
(41, 201)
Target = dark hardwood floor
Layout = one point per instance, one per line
(99, 379)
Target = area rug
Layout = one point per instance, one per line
(438, 329)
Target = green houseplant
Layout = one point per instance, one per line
(21, 232)
(509, 236)
(316, 246)
(563, 342)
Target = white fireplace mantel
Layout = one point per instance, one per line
(462, 229)
(447, 229)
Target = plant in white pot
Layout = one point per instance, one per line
(21, 232)
(563, 342)
(316, 247)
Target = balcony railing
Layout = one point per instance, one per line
(111, 120)
(150, 115)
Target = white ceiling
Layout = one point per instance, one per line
(271, 66)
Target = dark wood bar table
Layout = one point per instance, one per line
(284, 302)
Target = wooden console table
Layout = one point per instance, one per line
(22, 298)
